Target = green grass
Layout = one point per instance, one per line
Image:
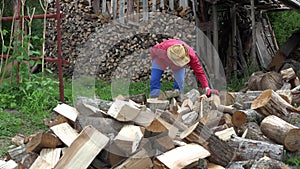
(23, 106)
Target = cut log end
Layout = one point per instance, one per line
(262, 99)
(292, 138)
(239, 118)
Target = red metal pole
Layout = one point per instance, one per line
(20, 38)
(39, 16)
(59, 49)
(64, 62)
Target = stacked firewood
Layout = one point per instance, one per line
(253, 129)
(84, 21)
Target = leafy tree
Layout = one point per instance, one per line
(284, 23)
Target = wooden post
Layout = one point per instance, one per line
(122, 11)
(115, 7)
(233, 38)
(253, 50)
(153, 5)
(145, 11)
(215, 26)
(130, 10)
(171, 4)
(162, 4)
(103, 7)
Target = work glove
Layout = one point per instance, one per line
(209, 92)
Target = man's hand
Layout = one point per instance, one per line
(210, 91)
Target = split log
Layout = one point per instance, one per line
(171, 119)
(154, 104)
(182, 156)
(28, 160)
(163, 143)
(288, 74)
(10, 164)
(226, 134)
(58, 120)
(103, 105)
(112, 155)
(190, 118)
(268, 163)
(193, 95)
(40, 163)
(214, 166)
(270, 103)
(90, 141)
(51, 156)
(86, 109)
(213, 118)
(128, 139)
(145, 117)
(169, 94)
(65, 133)
(42, 140)
(286, 95)
(18, 140)
(251, 149)
(139, 160)
(67, 111)
(105, 125)
(139, 98)
(239, 98)
(228, 120)
(253, 132)
(156, 127)
(174, 105)
(123, 111)
(226, 109)
(188, 103)
(221, 152)
(17, 153)
(281, 132)
(241, 117)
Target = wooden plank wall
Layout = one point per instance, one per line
(119, 9)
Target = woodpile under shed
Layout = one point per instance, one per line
(230, 32)
(247, 130)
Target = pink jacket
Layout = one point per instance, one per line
(159, 54)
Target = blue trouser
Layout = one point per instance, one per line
(156, 74)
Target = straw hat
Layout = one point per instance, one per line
(178, 54)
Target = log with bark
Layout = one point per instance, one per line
(270, 103)
(221, 152)
(241, 117)
(281, 132)
(262, 81)
(252, 149)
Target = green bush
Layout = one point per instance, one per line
(284, 23)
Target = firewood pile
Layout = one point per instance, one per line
(83, 22)
(248, 130)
